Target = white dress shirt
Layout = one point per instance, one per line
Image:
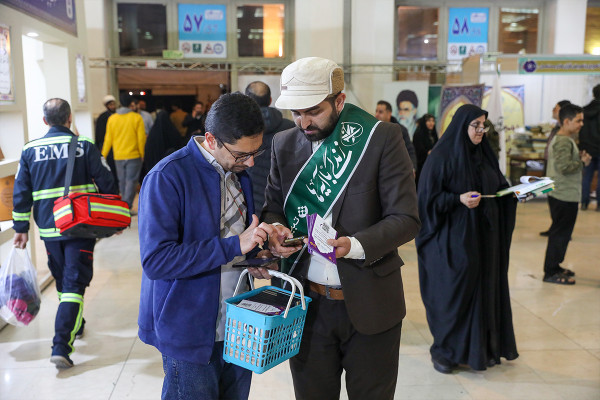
(321, 270)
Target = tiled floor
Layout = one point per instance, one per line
(557, 328)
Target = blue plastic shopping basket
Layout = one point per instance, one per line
(259, 342)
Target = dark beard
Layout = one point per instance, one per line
(318, 136)
(326, 131)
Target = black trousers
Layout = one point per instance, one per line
(71, 264)
(330, 344)
(564, 215)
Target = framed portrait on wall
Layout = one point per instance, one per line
(409, 100)
(7, 90)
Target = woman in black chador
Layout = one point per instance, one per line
(463, 248)
(424, 139)
(162, 140)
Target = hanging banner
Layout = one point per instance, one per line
(60, 13)
(513, 100)
(559, 65)
(6, 75)
(203, 30)
(455, 96)
(467, 32)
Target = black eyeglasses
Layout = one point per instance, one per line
(243, 157)
(480, 128)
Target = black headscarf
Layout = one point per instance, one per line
(456, 139)
(422, 125)
(423, 140)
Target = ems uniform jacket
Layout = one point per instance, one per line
(378, 207)
(41, 178)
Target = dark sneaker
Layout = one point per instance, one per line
(584, 207)
(61, 361)
(545, 233)
(79, 333)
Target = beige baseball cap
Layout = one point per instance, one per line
(108, 98)
(308, 81)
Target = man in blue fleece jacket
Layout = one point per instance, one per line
(196, 219)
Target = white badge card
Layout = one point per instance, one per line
(319, 234)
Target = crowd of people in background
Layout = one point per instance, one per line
(169, 127)
(464, 242)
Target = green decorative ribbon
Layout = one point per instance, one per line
(325, 175)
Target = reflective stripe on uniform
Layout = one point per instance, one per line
(71, 297)
(55, 140)
(49, 232)
(17, 216)
(57, 192)
(74, 298)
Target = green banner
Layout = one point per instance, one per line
(559, 65)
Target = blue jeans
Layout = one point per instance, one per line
(588, 174)
(217, 380)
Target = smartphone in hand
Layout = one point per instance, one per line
(295, 241)
(256, 262)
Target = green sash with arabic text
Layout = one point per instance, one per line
(325, 175)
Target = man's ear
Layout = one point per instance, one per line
(45, 122)
(339, 102)
(210, 140)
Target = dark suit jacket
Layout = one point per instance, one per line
(378, 207)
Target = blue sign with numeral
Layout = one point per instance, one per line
(203, 30)
(202, 22)
(467, 31)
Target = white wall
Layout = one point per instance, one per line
(549, 23)
(46, 67)
(35, 86)
(569, 27)
(12, 140)
(372, 43)
(319, 29)
(97, 47)
(60, 76)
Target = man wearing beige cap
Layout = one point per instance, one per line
(352, 170)
(110, 103)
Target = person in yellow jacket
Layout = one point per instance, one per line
(126, 135)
